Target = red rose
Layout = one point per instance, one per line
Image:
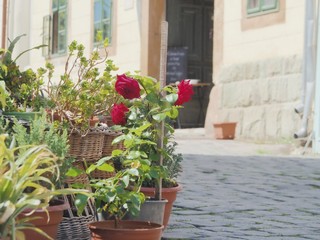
(127, 87)
(185, 92)
(118, 114)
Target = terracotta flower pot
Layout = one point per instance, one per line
(128, 230)
(167, 193)
(224, 130)
(50, 226)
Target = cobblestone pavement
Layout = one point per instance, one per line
(247, 197)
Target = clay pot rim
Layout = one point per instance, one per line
(153, 226)
(63, 206)
(170, 189)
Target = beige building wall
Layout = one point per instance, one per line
(257, 70)
(125, 48)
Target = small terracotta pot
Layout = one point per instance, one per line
(128, 230)
(224, 130)
(167, 193)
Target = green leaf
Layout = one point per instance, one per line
(103, 160)
(132, 116)
(159, 117)
(134, 154)
(133, 172)
(152, 97)
(106, 167)
(172, 98)
(173, 113)
(91, 168)
(154, 173)
(117, 152)
(73, 172)
(81, 202)
(125, 180)
(142, 128)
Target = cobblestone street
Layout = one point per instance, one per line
(247, 197)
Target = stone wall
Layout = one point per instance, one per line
(261, 97)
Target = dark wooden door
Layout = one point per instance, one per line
(191, 27)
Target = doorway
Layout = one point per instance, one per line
(191, 29)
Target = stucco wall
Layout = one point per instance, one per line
(1, 22)
(124, 50)
(258, 78)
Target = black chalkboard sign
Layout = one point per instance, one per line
(176, 64)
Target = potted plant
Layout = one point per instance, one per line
(142, 111)
(170, 186)
(21, 89)
(40, 131)
(26, 186)
(118, 196)
(81, 93)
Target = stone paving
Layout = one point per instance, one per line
(247, 197)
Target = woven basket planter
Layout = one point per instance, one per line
(88, 147)
(108, 147)
(82, 178)
(75, 227)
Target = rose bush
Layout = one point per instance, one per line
(141, 118)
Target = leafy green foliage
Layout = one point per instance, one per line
(82, 91)
(143, 139)
(24, 87)
(19, 173)
(41, 131)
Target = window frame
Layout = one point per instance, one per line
(262, 20)
(262, 8)
(56, 50)
(103, 20)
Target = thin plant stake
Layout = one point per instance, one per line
(163, 71)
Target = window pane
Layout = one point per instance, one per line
(97, 27)
(97, 11)
(54, 4)
(253, 6)
(102, 18)
(55, 32)
(62, 42)
(62, 20)
(62, 3)
(106, 30)
(269, 4)
(59, 26)
(106, 9)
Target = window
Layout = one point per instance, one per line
(258, 7)
(262, 13)
(59, 26)
(102, 19)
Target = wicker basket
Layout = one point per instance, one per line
(75, 227)
(88, 147)
(108, 147)
(82, 178)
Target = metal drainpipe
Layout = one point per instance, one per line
(308, 69)
(316, 119)
(4, 23)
